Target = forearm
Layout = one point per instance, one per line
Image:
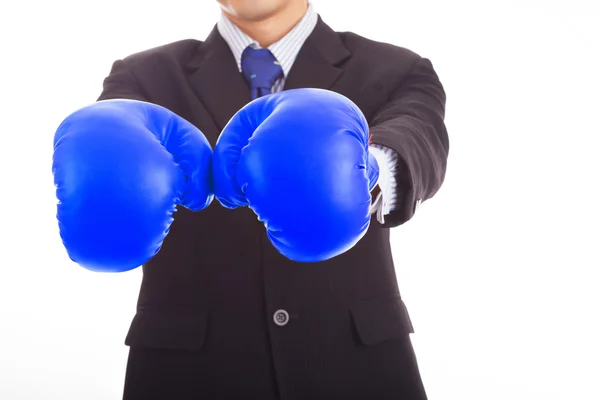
(412, 125)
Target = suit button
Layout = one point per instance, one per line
(281, 317)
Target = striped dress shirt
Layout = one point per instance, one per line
(285, 51)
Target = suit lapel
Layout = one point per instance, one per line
(216, 80)
(318, 62)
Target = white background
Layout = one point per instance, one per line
(499, 270)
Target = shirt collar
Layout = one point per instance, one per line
(284, 50)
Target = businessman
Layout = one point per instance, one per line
(223, 313)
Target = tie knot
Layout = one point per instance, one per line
(260, 69)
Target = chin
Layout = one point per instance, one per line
(255, 10)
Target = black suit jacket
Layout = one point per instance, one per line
(206, 326)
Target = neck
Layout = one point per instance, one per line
(271, 28)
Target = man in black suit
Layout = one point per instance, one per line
(221, 314)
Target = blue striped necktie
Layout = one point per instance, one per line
(261, 70)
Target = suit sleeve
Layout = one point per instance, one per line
(121, 84)
(412, 124)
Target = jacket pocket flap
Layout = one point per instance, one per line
(168, 329)
(380, 319)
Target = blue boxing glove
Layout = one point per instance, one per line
(120, 169)
(300, 160)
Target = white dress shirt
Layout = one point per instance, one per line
(285, 51)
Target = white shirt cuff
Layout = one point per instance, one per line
(387, 159)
